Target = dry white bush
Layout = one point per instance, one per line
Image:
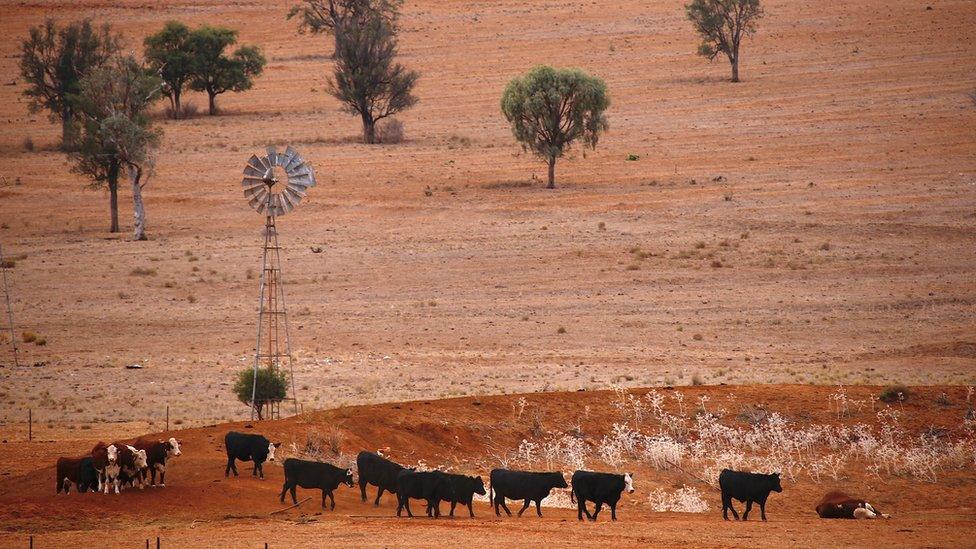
(686, 499)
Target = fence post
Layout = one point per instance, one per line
(157, 542)
(167, 417)
(30, 425)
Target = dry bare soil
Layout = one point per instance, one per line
(200, 508)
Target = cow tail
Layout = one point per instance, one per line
(572, 496)
(491, 493)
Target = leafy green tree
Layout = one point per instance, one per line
(168, 53)
(53, 61)
(271, 386)
(722, 24)
(550, 108)
(216, 73)
(117, 132)
(367, 80)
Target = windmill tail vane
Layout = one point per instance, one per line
(266, 196)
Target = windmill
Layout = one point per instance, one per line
(10, 311)
(271, 197)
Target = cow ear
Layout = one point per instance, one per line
(277, 444)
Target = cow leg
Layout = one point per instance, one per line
(378, 494)
(496, 506)
(581, 509)
(98, 476)
(284, 488)
(331, 501)
(504, 506)
(762, 510)
(230, 467)
(116, 481)
(453, 505)
(524, 507)
(362, 487)
(599, 507)
(745, 516)
(437, 508)
(471, 509)
(538, 507)
(406, 505)
(726, 507)
(613, 511)
(399, 503)
(260, 468)
(162, 477)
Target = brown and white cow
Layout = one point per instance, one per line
(157, 452)
(838, 505)
(131, 462)
(105, 459)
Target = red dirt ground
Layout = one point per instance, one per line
(200, 508)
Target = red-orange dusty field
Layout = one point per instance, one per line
(810, 227)
(200, 508)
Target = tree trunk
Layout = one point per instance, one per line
(113, 196)
(138, 210)
(177, 107)
(369, 129)
(552, 173)
(67, 132)
(734, 60)
(213, 103)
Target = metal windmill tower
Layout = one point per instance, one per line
(10, 311)
(273, 198)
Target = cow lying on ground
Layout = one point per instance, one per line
(747, 487)
(426, 485)
(246, 447)
(380, 472)
(522, 485)
(105, 459)
(314, 474)
(600, 488)
(77, 471)
(461, 489)
(157, 452)
(838, 505)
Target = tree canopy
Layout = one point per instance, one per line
(721, 25)
(271, 386)
(367, 79)
(117, 132)
(168, 53)
(551, 108)
(53, 62)
(217, 73)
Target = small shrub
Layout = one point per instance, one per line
(191, 298)
(40, 342)
(696, 379)
(825, 246)
(632, 157)
(142, 271)
(28, 144)
(700, 245)
(601, 226)
(28, 337)
(698, 337)
(894, 393)
(389, 131)
(561, 330)
(716, 264)
(8, 264)
(272, 386)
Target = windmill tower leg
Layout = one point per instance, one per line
(10, 311)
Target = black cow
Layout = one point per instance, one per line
(314, 474)
(247, 447)
(380, 472)
(461, 489)
(599, 488)
(80, 472)
(748, 487)
(523, 485)
(426, 485)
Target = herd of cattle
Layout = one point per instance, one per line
(118, 465)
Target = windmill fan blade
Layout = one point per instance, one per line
(254, 191)
(287, 157)
(256, 163)
(296, 190)
(251, 171)
(272, 155)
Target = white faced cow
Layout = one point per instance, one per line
(838, 505)
(158, 452)
(105, 459)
